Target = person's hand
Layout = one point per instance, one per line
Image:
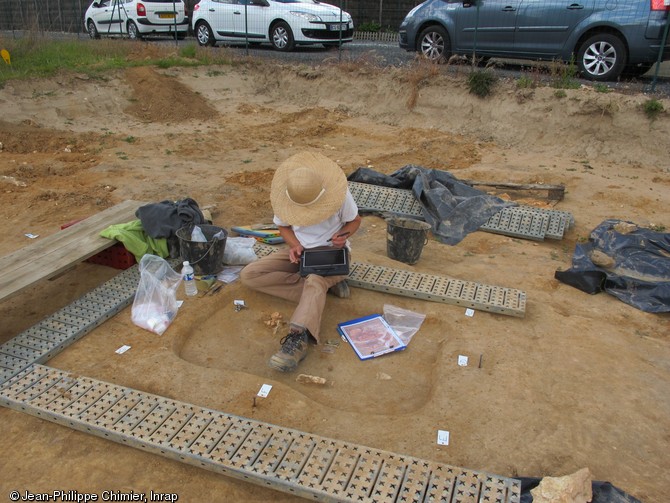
(294, 253)
(295, 248)
(339, 240)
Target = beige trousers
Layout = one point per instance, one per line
(274, 274)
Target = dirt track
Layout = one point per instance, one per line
(580, 381)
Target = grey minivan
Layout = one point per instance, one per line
(606, 38)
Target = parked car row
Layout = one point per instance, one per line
(282, 23)
(605, 38)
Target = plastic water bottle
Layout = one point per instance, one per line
(190, 287)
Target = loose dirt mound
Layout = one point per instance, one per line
(158, 98)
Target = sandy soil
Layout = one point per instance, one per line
(580, 381)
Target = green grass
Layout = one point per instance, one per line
(564, 75)
(482, 82)
(34, 57)
(370, 26)
(41, 58)
(652, 108)
(525, 82)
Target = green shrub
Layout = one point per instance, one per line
(481, 82)
(188, 51)
(653, 108)
(564, 75)
(369, 26)
(525, 82)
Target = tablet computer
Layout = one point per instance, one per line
(324, 261)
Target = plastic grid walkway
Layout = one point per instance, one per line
(53, 334)
(494, 299)
(524, 222)
(291, 461)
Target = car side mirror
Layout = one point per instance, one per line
(468, 3)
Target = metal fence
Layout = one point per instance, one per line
(67, 15)
(43, 15)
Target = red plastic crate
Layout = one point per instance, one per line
(115, 256)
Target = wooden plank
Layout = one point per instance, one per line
(554, 192)
(50, 256)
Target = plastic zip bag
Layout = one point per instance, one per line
(239, 251)
(197, 235)
(404, 323)
(155, 304)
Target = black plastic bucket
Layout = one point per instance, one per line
(405, 239)
(205, 257)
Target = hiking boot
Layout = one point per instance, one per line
(340, 290)
(293, 351)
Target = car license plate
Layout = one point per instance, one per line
(336, 27)
(166, 15)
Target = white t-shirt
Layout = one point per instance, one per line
(311, 236)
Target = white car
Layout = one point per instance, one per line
(283, 23)
(136, 18)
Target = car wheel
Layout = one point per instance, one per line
(92, 30)
(602, 57)
(433, 44)
(282, 37)
(203, 34)
(133, 31)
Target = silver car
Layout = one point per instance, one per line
(605, 38)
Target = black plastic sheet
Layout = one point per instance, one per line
(626, 261)
(603, 492)
(452, 208)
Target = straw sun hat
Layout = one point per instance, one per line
(307, 188)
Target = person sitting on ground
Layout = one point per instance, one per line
(313, 207)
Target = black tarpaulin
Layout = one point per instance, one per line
(452, 208)
(629, 262)
(603, 492)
